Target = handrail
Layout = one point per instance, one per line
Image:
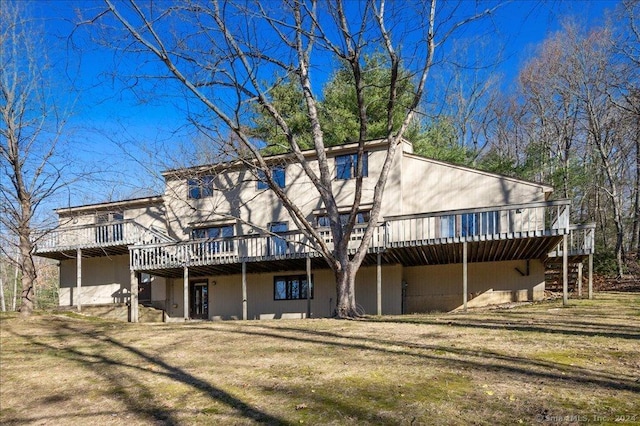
(580, 241)
(487, 223)
(562, 202)
(124, 232)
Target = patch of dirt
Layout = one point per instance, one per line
(628, 283)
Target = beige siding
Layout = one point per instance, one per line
(175, 299)
(431, 186)
(104, 280)
(236, 195)
(147, 216)
(439, 287)
(225, 295)
(366, 289)
(159, 292)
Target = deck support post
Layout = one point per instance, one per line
(133, 299)
(78, 278)
(244, 290)
(185, 294)
(379, 284)
(464, 275)
(591, 276)
(565, 271)
(580, 266)
(308, 287)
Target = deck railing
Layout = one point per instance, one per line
(126, 232)
(580, 241)
(490, 223)
(505, 222)
(247, 248)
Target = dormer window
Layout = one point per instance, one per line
(277, 174)
(200, 187)
(346, 166)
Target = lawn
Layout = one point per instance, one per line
(533, 364)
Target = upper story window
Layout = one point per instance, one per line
(109, 217)
(109, 227)
(212, 232)
(346, 166)
(218, 233)
(200, 187)
(277, 174)
(470, 224)
(485, 223)
(361, 218)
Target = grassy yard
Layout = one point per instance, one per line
(532, 364)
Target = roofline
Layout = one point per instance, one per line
(154, 199)
(275, 158)
(546, 188)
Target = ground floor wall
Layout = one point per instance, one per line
(104, 280)
(404, 289)
(225, 295)
(439, 287)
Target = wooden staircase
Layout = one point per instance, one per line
(553, 276)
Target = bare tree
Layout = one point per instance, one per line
(578, 136)
(627, 45)
(229, 55)
(30, 131)
(465, 92)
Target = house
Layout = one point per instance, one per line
(219, 245)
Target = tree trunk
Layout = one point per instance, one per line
(28, 277)
(345, 290)
(635, 234)
(15, 282)
(3, 305)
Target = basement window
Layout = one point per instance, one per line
(291, 287)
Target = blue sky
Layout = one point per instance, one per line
(108, 116)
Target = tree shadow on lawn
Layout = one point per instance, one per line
(572, 328)
(142, 401)
(474, 359)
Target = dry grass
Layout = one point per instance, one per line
(531, 364)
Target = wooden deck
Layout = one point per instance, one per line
(525, 231)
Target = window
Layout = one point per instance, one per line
(110, 227)
(469, 225)
(215, 232)
(361, 218)
(277, 174)
(292, 287)
(201, 187)
(490, 222)
(447, 226)
(277, 245)
(485, 223)
(346, 166)
(109, 217)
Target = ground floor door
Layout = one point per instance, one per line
(199, 300)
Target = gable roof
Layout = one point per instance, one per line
(309, 154)
(110, 205)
